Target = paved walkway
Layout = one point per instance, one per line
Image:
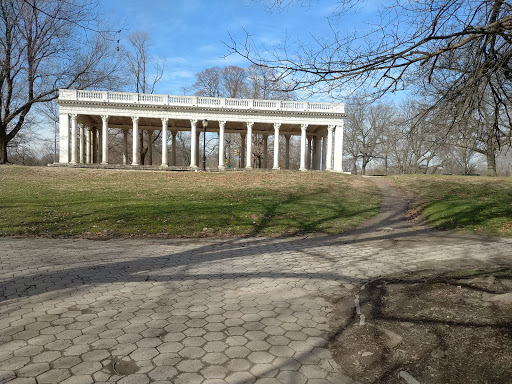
(232, 311)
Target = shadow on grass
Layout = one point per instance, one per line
(454, 214)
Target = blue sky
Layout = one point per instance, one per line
(189, 34)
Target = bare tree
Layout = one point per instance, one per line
(265, 83)
(365, 131)
(208, 82)
(234, 82)
(479, 134)
(144, 72)
(468, 43)
(47, 45)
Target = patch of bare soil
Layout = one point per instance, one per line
(450, 329)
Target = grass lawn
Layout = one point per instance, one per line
(97, 203)
(481, 205)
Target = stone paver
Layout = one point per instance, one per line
(193, 311)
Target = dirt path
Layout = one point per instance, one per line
(447, 322)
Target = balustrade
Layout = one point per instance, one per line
(200, 101)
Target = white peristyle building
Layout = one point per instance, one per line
(86, 118)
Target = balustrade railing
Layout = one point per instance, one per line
(199, 101)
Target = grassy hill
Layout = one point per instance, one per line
(97, 203)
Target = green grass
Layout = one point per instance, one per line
(481, 205)
(97, 203)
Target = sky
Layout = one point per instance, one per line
(190, 35)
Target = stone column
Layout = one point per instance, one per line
(135, 141)
(242, 150)
(198, 146)
(222, 124)
(165, 121)
(328, 163)
(193, 144)
(303, 128)
(81, 135)
(149, 138)
(173, 148)
(74, 118)
(276, 146)
(95, 145)
(287, 152)
(88, 144)
(338, 147)
(308, 157)
(248, 160)
(104, 140)
(125, 146)
(63, 138)
(265, 151)
(324, 150)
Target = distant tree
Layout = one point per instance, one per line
(47, 45)
(234, 82)
(208, 82)
(365, 131)
(144, 72)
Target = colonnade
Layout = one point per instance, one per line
(82, 144)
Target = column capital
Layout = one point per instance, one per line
(222, 123)
(331, 128)
(304, 127)
(165, 120)
(74, 117)
(193, 122)
(250, 124)
(104, 118)
(277, 126)
(135, 119)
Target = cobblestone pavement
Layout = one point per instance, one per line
(234, 311)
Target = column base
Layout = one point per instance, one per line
(222, 168)
(194, 167)
(248, 168)
(104, 163)
(134, 163)
(164, 165)
(276, 168)
(303, 169)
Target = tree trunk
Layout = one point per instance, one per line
(3, 147)
(491, 162)
(363, 165)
